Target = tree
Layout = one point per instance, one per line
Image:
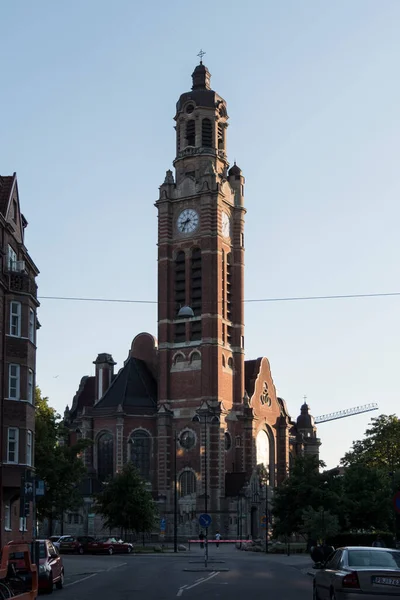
(372, 475)
(57, 463)
(125, 502)
(320, 524)
(305, 487)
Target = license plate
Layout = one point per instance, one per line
(386, 581)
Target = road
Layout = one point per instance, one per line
(163, 577)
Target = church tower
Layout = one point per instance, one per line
(200, 294)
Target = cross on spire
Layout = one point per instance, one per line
(201, 54)
(305, 399)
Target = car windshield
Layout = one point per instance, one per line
(374, 558)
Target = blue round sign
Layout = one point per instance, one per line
(205, 520)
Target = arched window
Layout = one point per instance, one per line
(223, 360)
(206, 133)
(178, 138)
(221, 136)
(140, 452)
(229, 278)
(191, 133)
(179, 358)
(195, 356)
(105, 456)
(230, 362)
(195, 293)
(187, 483)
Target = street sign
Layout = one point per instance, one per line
(40, 489)
(396, 502)
(263, 521)
(163, 524)
(205, 520)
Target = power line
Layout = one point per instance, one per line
(251, 300)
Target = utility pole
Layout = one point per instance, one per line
(205, 489)
(266, 516)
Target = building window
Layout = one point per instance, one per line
(32, 325)
(196, 282)
(11, 259)
(242, 239)
(238, 441)
(228, 441)
(12, 445)
(206, 133)
(230, 362)
(229, 273)
(105, 456)
(22, 524)
(13, 382)
(30, 386)
(15, 319)
(7, 516)
(191, 133)
(195, 357)
(29, 439)
(187, 484)
(140, 452)
(223, 361)
(178, 138)
(187, 439)
(221, 136)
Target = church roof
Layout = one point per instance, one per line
(133, 388)
(6, 184)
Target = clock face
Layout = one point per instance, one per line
(226, 225)
(187, 221)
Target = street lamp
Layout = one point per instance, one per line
(205, 414)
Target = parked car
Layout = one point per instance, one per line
(110, 545)
(79, 545)
(357, 571)
(56, 539)
(50, 565)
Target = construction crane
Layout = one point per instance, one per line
(349, 412)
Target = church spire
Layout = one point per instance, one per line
(201, 78)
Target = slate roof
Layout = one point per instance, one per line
(6, 184)
(84, 396)
(134, 388)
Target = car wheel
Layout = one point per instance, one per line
(110, 551)
(80, 550)
(60, 582)
(51, 585)
(316, 596)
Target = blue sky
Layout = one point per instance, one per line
(88, 98)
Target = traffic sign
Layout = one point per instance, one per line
(263, 521)
(396, 502)
(163, 524)
(205, 520)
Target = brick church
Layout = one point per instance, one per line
(186, 405)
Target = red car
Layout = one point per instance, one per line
(80, 544)
(50, 566)
(110, 545)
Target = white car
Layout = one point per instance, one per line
(358, 572)
(56, 539)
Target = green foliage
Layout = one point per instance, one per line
(367, 498)
(320, 524)
(125, 502)
(305, 487)
(359, 539)
(380, 447)
(57, 463)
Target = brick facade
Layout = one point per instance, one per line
(222, 411)
(18, 306)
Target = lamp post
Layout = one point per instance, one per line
(175, 497)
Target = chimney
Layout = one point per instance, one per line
(104, 374)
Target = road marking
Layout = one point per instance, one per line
(116, 566)
(80, 580)
(198, 582)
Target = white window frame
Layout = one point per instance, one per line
(22, 524)
(32, 325)
(15, 313)
(17, 378)
(31, 382)
(11, 259)
(14, 441)
(29, 447)
(7, 516)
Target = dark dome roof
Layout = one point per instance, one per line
(235, 170)
(305, 420)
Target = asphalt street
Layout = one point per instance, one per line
(164, 577)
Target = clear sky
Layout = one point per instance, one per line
(88, 97)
